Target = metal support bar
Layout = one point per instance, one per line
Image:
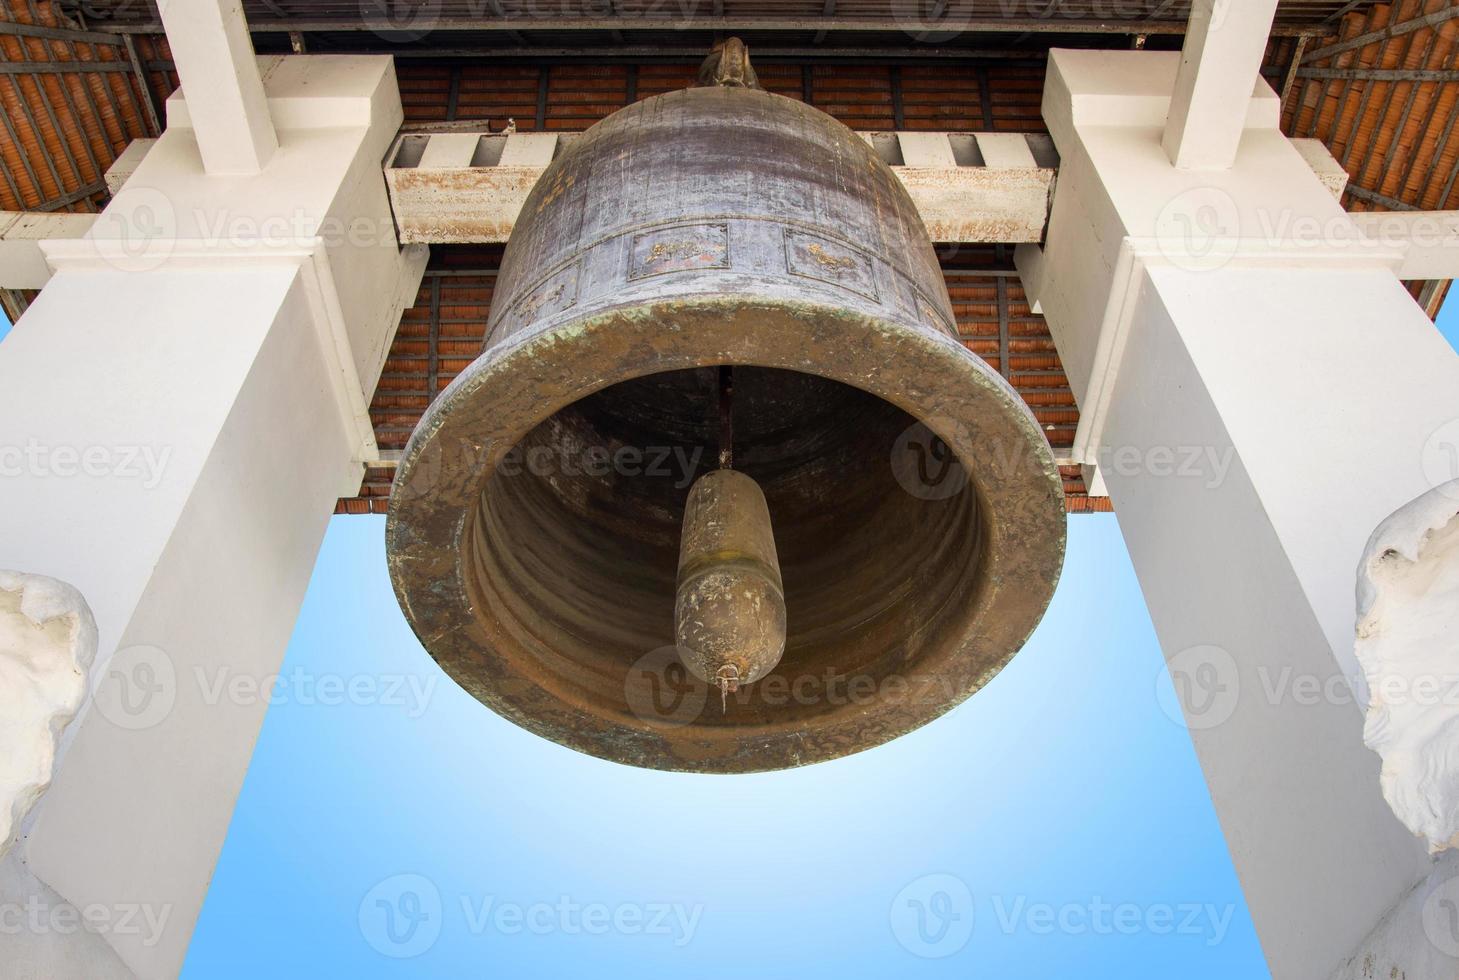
(1379, 74)
(149, 98)
(673, 54)
(1346, 9)
(542, 84)
(433, 342)
(1384, 34)
(899, 115)
(985, 99)
(66, 200)
(453, 94)
(61, 67)
(1001, 284)
(57, 33)
(673, 22)
(1292, 68)
(827, 10)
(1382, 200)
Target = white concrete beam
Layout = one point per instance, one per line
(926, 150)
(1429, 240)
(220, 79)
(449, 151)
(1326, 166)
(469, 187)
(1221, 62)
(22, 264)
(125, 165)
(528, 150)
(986, 187)
(206, 352)
(980, 204)
(1005, 151)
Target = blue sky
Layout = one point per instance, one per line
(1060, 789)
(1057, 824)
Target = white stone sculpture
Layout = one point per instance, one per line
(1408, 645)
(47, 643)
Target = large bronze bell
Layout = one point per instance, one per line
(724, 291)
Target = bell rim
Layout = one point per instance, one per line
(571, 350)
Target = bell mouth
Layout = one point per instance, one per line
(534, 541)
(575, 544)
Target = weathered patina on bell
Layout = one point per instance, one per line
(538, 528)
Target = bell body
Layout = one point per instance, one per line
(534, 529)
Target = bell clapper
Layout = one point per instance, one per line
(728, 679)
(729, 608)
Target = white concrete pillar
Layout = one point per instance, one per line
(1219, 65)
(215, 63)
(179, 410)
(1259, 391)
